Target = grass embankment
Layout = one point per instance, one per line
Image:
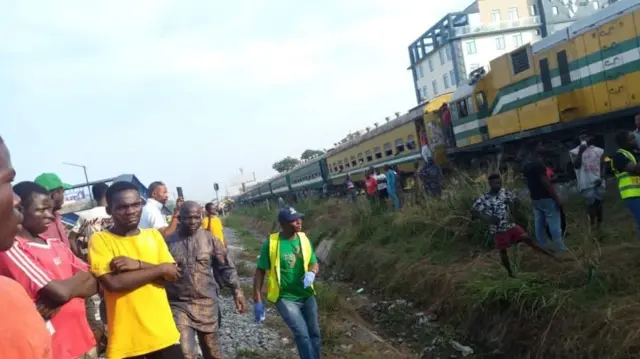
(435, 255)
(338, 333)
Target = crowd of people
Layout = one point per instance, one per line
(144, 285)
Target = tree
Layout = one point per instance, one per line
(309, 154)
(285, 164)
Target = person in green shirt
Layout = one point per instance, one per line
(292, 265)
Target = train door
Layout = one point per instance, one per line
(615, 57)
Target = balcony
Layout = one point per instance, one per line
(524, 22)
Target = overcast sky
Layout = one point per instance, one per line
(189, 91)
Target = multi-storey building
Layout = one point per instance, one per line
(464, 41)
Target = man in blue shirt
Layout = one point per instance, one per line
(392, 187)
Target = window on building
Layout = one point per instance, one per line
(430, 61)
(388, 151)
(424, 92)
(495, 16)
(434, 84)
(513, 13)
(563, 68)
(369, 155)
(378, 152)
(471, 47)
(554, 10)
(445, 79)
(353, 161)
(520, 61)
(420, 71)
(441, 53)
(517, 40)
(447, 52)
(500, 43)
(533, 10)
(411, 142)
(360, 158)
(452, 75)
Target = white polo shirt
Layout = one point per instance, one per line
(152, 216)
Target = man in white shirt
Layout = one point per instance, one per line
(588, 163)
(152, 216)
(425, 151)
(382, 186)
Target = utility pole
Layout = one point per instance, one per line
(86, 178)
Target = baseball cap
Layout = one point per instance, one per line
(288, 214)
(51, 181)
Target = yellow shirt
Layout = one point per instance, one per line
(142, 322)
(216, 227)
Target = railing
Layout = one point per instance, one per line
(497, 26)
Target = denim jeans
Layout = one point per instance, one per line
(302, 318)
(634, 206)
(546, 211)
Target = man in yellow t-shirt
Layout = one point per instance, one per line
(212, 223)
(132, 264)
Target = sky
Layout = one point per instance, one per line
(188, 92)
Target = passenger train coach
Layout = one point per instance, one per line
(584, 77)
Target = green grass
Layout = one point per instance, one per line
(435, 253)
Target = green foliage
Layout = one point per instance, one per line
(285, 164)
(309, 154)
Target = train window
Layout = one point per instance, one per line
(545, 74)
(346, 162)
(520, 61)
(462, 108)
(369, 155)
(360, 159)
(378, 152)
(340, 166)
(353, 161)
(563, 67)
(411, 142)
(481, 100)
(399, 145)
(470, 108)
(387, 149)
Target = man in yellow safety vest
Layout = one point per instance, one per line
(291, 264)
(625, 167)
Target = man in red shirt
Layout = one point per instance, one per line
(371, 185)
(54, 278)
(54, 185)
(24, 334)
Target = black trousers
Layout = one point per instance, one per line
(172, 352)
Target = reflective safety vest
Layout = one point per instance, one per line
(628, 184)
(273, 278)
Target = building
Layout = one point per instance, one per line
(558, 14)
(464, 41)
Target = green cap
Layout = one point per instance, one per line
(51, 181)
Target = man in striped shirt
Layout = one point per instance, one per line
(55, 279)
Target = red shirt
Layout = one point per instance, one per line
(34, 265)
(56, 230)
(372, 185)
(22, 331)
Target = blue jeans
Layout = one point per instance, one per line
(395, 199)
(302, 318)
(546, 211)
(634, 206)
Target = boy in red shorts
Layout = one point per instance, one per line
(493, 207)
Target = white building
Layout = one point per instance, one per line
(462, 42)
